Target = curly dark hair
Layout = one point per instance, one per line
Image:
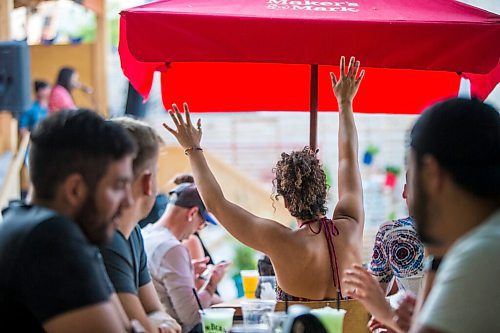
(301, 181)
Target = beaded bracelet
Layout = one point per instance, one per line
(187, 150)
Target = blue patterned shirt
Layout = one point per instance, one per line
(398, 252)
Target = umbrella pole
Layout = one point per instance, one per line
(313, 108)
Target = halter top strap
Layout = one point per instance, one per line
(330, 230)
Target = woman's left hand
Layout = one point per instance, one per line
(186, 134)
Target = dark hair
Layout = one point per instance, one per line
(64, 77)
(39, 85)
(183, 178)
(464, 137)
(301, 181)
(307, 323)
(74, 142)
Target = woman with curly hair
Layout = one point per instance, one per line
(309, 262)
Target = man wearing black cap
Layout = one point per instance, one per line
(169, 261)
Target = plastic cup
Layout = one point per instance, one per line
(267, 286)
(276, 321)
(250, 279)
(216, 320)
(249, 329)
(331, 318)
(254, 311)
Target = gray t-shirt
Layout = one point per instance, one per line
(126, 262)
(466, 294)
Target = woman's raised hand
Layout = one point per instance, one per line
(186, 134)
(347, 86)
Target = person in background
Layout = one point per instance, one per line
(454, 178)
(265, 268)
(38, 110)
(27, 122)
(61, 97)
(398, 254)
(52, 277)
(200, 257)
(398, 259)
(170, 262)
(125, 258)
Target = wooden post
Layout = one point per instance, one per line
(101, 48)
(10, 189)
(6, 8)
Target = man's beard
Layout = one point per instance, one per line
(421, 212)
(94, 227)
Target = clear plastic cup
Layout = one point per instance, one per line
(276, 321)
(267, 287)
(216, 320)
(259, 328)
(254, 311)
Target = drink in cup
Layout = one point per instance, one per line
(267, 286)
(216, 320)
(250, 279)
(277, 321)
(332, 319)
(254, 311)
(249, 329)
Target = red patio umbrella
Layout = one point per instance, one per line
(212, 47)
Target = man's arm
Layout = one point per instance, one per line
(149, 298)
(350, 204)
(95, 318)
(135, 310)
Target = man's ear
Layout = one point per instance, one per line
(74, 190)
(405, 191)
(147, 183)
(192, 212)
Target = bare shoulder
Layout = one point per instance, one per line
(293, 243)
(348, 226)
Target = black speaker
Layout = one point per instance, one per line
(135, 105)
(15, 83)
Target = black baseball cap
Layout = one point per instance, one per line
(186, 195)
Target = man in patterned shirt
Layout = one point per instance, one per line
(398, 254)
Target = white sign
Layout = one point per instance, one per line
(319, 6)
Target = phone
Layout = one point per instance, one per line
(207, 272)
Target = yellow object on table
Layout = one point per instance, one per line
(250, 280)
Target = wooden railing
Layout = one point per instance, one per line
(10, 189)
